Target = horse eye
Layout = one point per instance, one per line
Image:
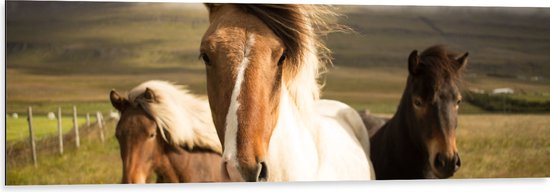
(282, 59)
(458, 102)
(204, 58)
(417, 102)
(152, 135)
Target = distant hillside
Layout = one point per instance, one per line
(507, 41)
(61, 53)
(99, 37)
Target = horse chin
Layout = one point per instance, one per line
(444, 176)
(231, 171)
(432, 173)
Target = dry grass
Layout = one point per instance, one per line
(48, 88)
(93, 163)
(491, 146)
(504, 146)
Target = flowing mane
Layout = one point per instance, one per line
(183, 119)
(300, 27)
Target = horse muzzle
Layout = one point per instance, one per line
(135, 179)
(258, 173)
(446, 165)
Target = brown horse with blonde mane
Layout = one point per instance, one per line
(165, 130)
(419, 141)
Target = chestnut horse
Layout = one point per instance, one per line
(166, 130)
(419, 140)
(262, 66)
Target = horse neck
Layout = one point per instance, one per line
(292, 150)
(169, 163)
(182, 165)
(395, 154)
(396, 132)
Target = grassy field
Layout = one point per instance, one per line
(500, 146)
(17, 129)
(93, 163)
(490, 146)
(73, 53)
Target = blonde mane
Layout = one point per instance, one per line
(182, 118)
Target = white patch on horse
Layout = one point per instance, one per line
(231, 121)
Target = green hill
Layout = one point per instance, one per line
(76, 52)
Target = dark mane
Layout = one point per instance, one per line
(439, 64)
(293, 23)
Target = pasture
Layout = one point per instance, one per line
(74, 53)
(491, 146)
(94, 162)
(500, 146)
(42, 126)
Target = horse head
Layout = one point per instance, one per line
(434, 98)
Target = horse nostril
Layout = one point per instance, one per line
(439, 161)
(457, 162)
(262, 171)
(446, 165)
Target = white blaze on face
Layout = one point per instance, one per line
(231, 121)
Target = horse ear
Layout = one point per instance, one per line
(211, 6)
(413, 62)
(117, 101)
(462, 60)
(149, 95)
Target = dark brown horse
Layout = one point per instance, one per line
(419, 140)
(372, 122)
(174, 139)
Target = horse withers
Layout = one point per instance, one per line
(418, 142)
(165, 130)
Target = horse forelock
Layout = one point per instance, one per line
(300, 28)
(182, 118)
(439, 67)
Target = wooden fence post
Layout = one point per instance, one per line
(102, 121)
(88, 119)
(31, 136)
(75, 126)
(99, 118)
(60, 130)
